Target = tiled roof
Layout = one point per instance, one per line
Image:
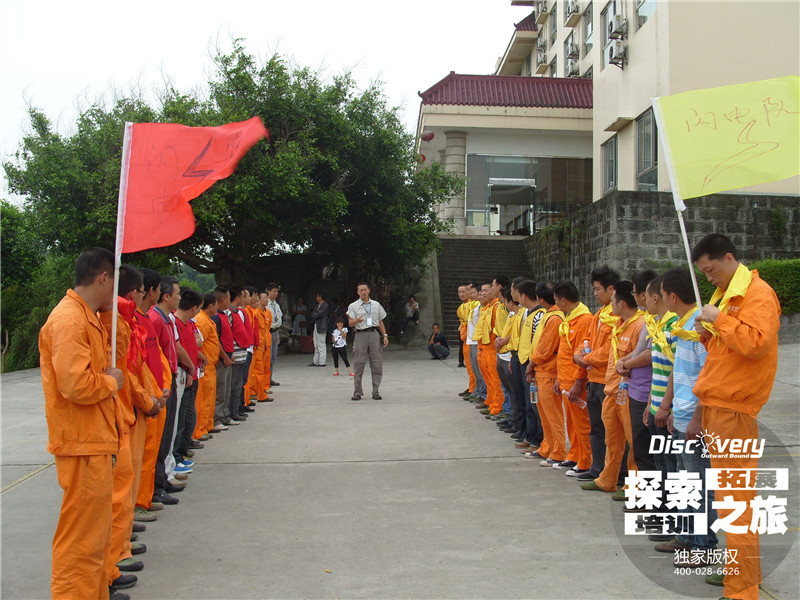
(527, 24)
(507, 90)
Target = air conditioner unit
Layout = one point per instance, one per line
(572, 68)
(541, 43)
(541, 12)
(617, 28)
(541, 58)
(572, 50)
(616, 53)
(572, 13)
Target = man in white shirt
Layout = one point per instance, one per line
(367, 316)
(277, 321)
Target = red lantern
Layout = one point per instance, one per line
(426, 135)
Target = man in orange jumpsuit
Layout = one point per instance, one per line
(616, 415)
(79, 387)
(572, 378)
(162, 376)
(595, 361)
(253, 389)
(134, 401)
(487, 354)
(207, 384)
(733, 385)
(543, 365)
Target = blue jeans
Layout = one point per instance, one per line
(695, 463)
(480, 384)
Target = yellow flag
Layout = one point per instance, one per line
(730, 137)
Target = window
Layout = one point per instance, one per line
(553, 25)
(588, 30)
(610, 165)
(527, 69)
(589, 73)
(644, 10)
(607, 17)
(570, 56)
(553, 67)
(646, 153)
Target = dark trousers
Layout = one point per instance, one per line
(641, 436)
(533, 432)
(237, 389)
(246, 371)
(166, 439)
(666, 463)
(517, 418)
(597, 432)
(340, 352)
(460, 353)
(187, 419)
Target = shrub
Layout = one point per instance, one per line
(784, 277)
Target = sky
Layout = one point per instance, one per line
(63, 56)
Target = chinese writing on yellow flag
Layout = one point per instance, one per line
(733, 136)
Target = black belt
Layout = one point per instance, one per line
(367, 329)
(274, 328)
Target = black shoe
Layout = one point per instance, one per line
(139, 527)
(130, 564)
(377, 397)
(246, 409)
(171, 489)
(134, 537)
(273, 383)
(239, 418)
(196, 445)
(124, 581)
(164, 497)
(462, 365)
(311, 365)
(464, 393)
(115, 595)
(356, 397)
(516, 436)
(214, 430)
(138, 549)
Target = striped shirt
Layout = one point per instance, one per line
(689, 359)
(662, 367)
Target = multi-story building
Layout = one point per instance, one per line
(625, 52)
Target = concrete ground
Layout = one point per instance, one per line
(414, 496)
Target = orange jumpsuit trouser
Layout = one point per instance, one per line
(122, 511)
(730, 425)
(467, 361)
(487, 362)
(83, 533)
(138, 433)
(255, 377)
(205, 401)
(551, 414)
(152, 440)
(617, 421)
(266, 375)
(578, 428)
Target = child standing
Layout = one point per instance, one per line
(339, 339)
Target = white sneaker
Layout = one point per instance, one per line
(548, 462)
(221, 427)
(232, 423)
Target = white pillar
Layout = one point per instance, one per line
(456, 163)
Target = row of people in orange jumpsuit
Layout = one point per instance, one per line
(538, 358)
(123, 436)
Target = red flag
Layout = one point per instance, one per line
(167, 165)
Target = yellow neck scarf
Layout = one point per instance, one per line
(618, 329)
(690, 335)
(655, 331)
(737, 287)
(607, 317)
(540, 327)
(579, 310)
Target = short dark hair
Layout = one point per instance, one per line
(272, 285)
(322, 295)
(566, 290)
(189, 299)
(152, 279)
(220, 292)
(253, 290)
(623, 291)
(527, 288)
(129, 279)
(517, 281)
(208, 300)
(715, 245)
(678, 281)
(487, 282)
(360, 283)
(654, 286)
(236, 291)
(505, 292)
(605, 275)
(435, 325)
(502, 280)
(641, 279)
(167, 286)
(91, 263)
(544, 290)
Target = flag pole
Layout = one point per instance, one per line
(123, 193)
(676, 194)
